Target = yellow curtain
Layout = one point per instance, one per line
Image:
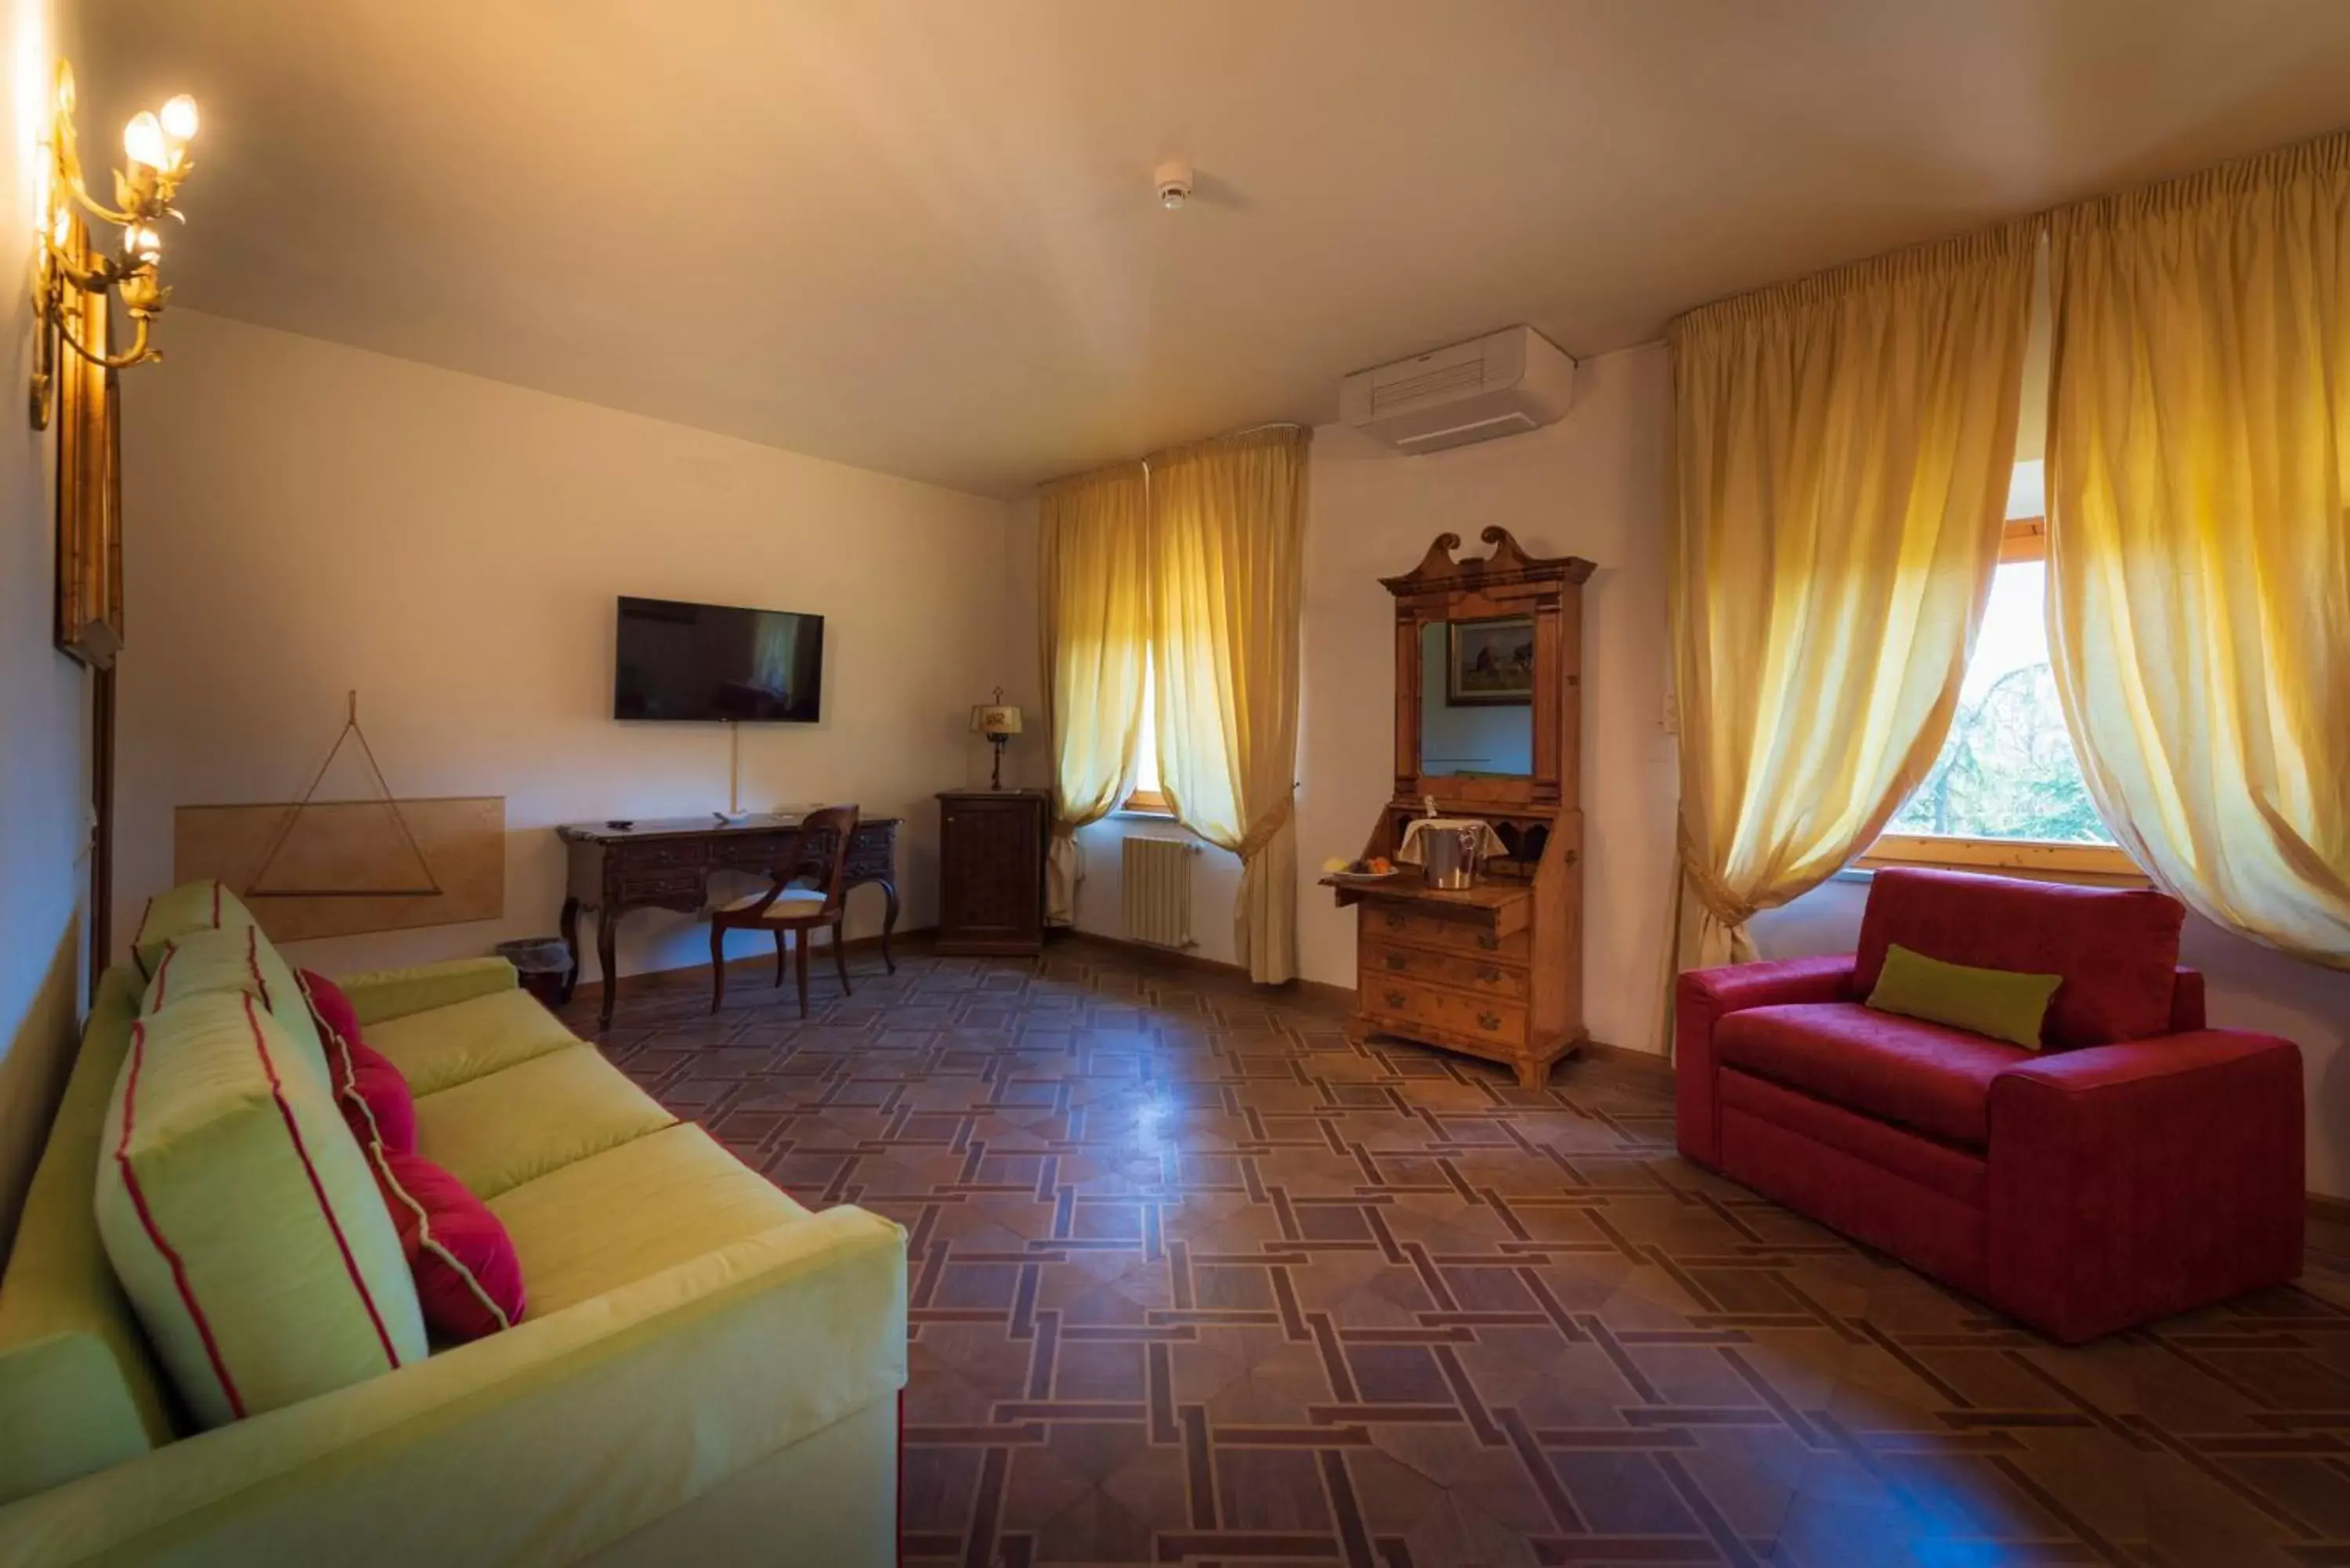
(2198, 463)
(1227, 549)
(1094, 616)
(1844, 449)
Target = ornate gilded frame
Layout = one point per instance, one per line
(88, 620)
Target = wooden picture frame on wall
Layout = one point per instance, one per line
(88, 625)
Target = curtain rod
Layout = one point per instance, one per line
(1144, 461)
(2044, 218)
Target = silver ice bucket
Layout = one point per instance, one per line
(1450, 856)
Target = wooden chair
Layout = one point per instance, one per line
(785, 910)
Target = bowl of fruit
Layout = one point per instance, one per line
(1378, 868)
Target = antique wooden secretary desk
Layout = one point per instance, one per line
(1488, 716)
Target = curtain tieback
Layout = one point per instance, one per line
(1712, 891)
(1271, 822)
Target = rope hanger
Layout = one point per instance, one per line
(431, 885)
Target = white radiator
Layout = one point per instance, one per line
(1156, 879)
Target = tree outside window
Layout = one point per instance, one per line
(2008, 769)
(2006, 794)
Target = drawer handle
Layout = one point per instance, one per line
(1489, 1021)
(1489, 941)
(1396, 961)
(1489, 974)
(1395, 999)
(1395, 922)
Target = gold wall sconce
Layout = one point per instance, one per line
(72, 282)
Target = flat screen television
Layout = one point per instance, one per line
(714, 662)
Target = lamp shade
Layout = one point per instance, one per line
(996, 719)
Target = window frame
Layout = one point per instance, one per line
(2022, 539)
(1147, 802)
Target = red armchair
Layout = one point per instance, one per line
(2138, 1165)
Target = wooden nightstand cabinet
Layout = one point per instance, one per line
(992, 870)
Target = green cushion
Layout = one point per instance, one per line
(662, 1199)
(236, 959)
(190, 907)
(1998, 1003)
(446, 1047)
(240, 1218)
(396, 992)
(78, 1391)
(494, 1133)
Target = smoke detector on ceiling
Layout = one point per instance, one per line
(1174, 179)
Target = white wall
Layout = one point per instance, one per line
(1592, 486)
(306, 518)
(44, 780)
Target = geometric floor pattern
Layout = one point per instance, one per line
(1196, 1280)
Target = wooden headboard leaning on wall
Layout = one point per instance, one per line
(312, 867)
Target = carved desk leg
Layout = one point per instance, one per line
(889, 920)
(571, 926)
(608, 920)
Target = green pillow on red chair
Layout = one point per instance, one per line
(2002, 1003)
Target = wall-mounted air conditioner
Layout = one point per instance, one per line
(1501, 384)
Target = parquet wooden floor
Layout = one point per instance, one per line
(1196, 1280)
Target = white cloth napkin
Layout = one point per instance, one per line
(1409, 851)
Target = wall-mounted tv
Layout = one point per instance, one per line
(714, 662)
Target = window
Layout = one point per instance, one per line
(1145, 795)
(2007, 791)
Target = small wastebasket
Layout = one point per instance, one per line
(544, 963)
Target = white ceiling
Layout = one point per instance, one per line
(919, 235)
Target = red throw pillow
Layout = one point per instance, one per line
(467, 1276)
(374, 1097)
(330, 1009)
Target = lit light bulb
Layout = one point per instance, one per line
(142, 138)
(179, 118)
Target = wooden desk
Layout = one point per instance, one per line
(666, 864)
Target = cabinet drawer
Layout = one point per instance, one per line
(643, 886)
(1404, 1006)
(754, 852)
(633, 858)
(1391, 927)
(1485, 975)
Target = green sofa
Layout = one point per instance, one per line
(708, 1372)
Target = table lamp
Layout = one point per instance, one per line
(998, 721)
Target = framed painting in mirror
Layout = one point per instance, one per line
(1490, 663)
